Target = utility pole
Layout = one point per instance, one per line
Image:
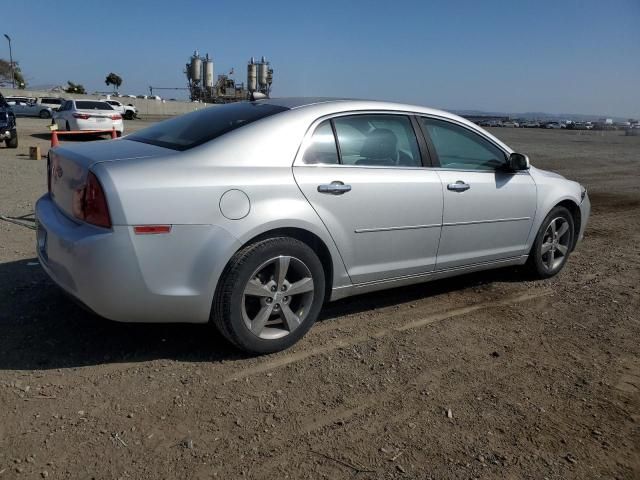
(13, 75)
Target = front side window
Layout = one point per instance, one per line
(460, 148)
(323, 146)
(377, 140)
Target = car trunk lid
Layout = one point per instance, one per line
(68, 166)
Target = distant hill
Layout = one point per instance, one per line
(576, 117)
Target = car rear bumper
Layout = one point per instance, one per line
(133, 278)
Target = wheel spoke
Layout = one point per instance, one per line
(291, 318)
(256, 288)
(301, 286)
(550, 259)
(282, 266)
(258, 323)
(552, 226)
(545, 247)
(562, 249)
(564, 228)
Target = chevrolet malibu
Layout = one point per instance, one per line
(252, 215)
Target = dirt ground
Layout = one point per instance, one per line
(484, 376)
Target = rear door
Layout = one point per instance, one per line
(364, 176)
(488, 210)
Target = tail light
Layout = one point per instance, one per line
(116, 117)
(91, 205)
(83, 116)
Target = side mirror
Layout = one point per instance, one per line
(518, 161)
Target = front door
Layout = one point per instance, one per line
(382, 208)
(488, 210)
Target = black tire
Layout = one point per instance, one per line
(45, 114)
(128, 115)
(12, 142)
(546, 265)
(229, 310)
(118, 133)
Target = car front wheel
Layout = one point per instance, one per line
(269, 295)
(553, 244)
(45, 114)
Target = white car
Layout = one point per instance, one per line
(27, 107)
(88, 115)
(127, 111)
(54, 103)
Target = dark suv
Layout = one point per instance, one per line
(8, 131)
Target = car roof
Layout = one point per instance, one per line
(346, 104)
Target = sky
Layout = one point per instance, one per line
(568, 56)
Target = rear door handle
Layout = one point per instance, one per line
(334, 188)
(459, 186)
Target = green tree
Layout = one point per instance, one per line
(113, 79)
(5, 73)
(74, 88)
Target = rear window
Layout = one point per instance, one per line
(88, 105)
(196, 128)
(53, 101)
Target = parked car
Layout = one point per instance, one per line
(251, 215)
(88, 115)
(581, 126)
(530, 125)
(554, 125)
(26, 107)
(52, 102)
(8, 129)
(127, 111)
(510, 124)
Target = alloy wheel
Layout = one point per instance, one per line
(555, 243)
(278, 297)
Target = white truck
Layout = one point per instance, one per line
(128, 112)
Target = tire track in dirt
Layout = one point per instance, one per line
(287, 359)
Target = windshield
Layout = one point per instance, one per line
(86, 105)
(193, 129)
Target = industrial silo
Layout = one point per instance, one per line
(252, 79)
(263, 73)
(196, 67)
(208, 72)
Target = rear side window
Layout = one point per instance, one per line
(323, 146)
(377, 140)
(88, 105)
(193, 129)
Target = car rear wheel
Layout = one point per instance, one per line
(269, 295)
(553, 244)
(128, 115)
(45, 114)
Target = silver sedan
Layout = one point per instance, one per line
(252, 215)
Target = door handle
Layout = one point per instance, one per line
(334, 188)
(459, 186)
